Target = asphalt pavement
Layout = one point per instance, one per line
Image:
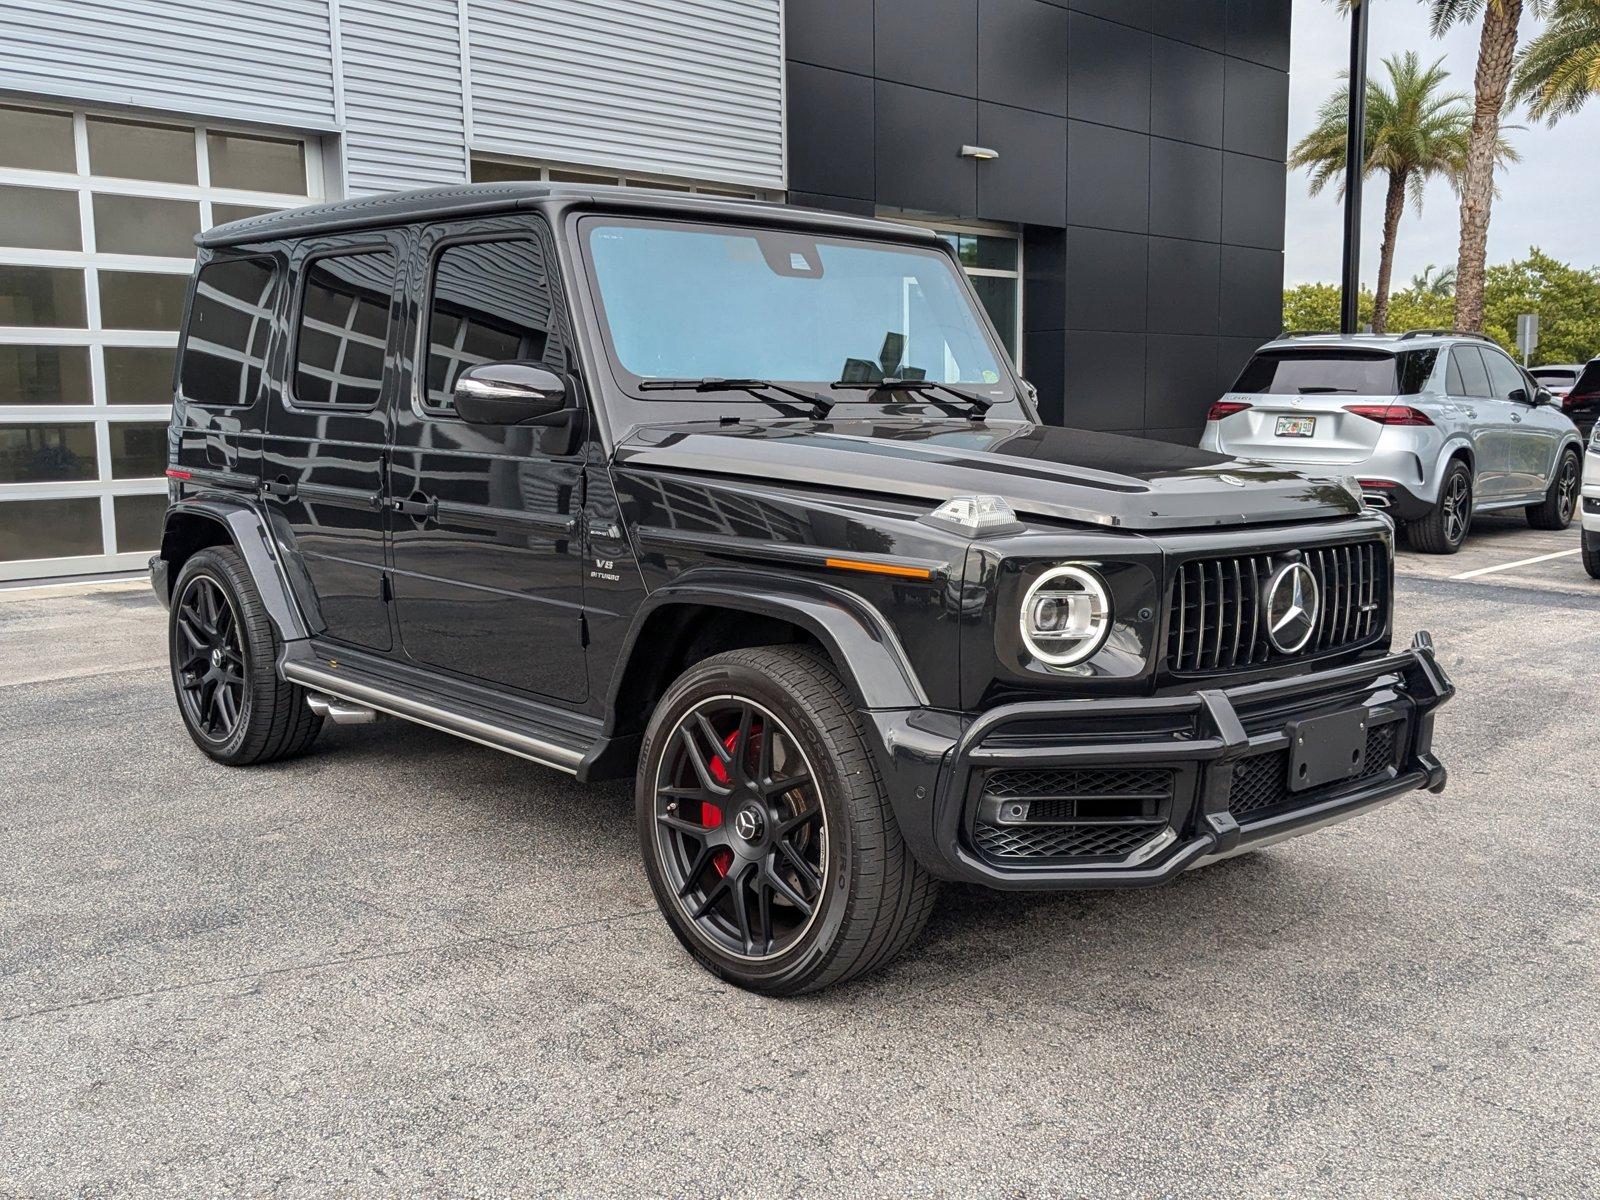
(408, 965)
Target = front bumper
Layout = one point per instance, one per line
(1214, 767)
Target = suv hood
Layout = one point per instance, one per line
(1040, 470)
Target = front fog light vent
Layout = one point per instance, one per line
(1066, 616)
(976, 515)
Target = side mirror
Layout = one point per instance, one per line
(1520, 396)
(1544, 396)
(510, 393)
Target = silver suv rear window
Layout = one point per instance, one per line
(1321, 371)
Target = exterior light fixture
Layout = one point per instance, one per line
(982, 153)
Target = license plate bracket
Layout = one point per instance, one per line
(1327, 749)
(1297, 427)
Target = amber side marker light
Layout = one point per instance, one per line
(872, 568)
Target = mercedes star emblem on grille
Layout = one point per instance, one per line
(1292, 602)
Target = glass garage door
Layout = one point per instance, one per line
(98, 215)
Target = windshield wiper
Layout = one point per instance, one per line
(976, 405)
(819, 405)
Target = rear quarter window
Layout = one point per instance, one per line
(1320, 372)
(225, 344)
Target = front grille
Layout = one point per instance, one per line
(1261, 784)
(1063, 841)
(1218, 620)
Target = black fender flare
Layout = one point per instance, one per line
(859, 638)
(250, 531)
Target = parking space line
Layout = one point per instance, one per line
(1523, 562)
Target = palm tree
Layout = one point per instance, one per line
(1435, 282)
(1560, 69)
(1497, 51)
(1415, 131)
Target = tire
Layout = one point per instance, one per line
(1561, 501)
(712, 806)
(223, 651)
(1445, 527)
(1591, 554)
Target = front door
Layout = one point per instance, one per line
(485, 551)
(323, 457)
(1531, 444)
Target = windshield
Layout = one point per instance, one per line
(682, 301)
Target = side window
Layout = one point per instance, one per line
(1504, 377)
(344, 329)
(1475, 380)
(489, 303)
(1416, 368)
(225, 344)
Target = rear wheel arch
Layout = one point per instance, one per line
(188, 531)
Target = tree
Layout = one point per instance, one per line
(1567, 299)
(1434, 281)
(1497, 51)
(1560, 69)
(1414, 131)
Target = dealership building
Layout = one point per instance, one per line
(1111, 173)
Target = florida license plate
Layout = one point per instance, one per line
(1297, 426)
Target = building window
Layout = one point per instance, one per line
(98, 215)
(509, 170)
(993, 261)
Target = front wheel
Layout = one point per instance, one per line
(1591, 554)
(767, 836)
(1444, 528)
(1561, 501)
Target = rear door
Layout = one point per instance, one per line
(323, 459)
(1298, 400)
(1488, 421)
(486, 554)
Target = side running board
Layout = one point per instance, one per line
(365, 694)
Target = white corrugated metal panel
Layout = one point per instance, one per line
(267, 61)
(405, 125)
(692, 88)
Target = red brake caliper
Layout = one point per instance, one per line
(710, 814)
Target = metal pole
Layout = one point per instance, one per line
(1355, 144)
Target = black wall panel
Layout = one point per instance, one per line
(1186, 92)
(1185, 190)
(1108, 73)
(1141, 149)
(1021, 46)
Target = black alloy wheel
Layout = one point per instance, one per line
(210, 659)
(223, 650)
(1445, 526)
(741, 832)
(767, 834)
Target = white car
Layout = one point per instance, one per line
(1433, 426)
(1591, 505)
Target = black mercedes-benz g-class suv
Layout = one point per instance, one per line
(748, 504)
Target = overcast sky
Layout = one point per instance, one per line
(1549, 199)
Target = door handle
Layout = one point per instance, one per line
(425, 510)
(283, 489)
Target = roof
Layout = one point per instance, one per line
(477, 199)
(1418, 339)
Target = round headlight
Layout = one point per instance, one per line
(1066, 615)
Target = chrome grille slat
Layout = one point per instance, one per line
(1217, 621)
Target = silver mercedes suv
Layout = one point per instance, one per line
(1434, 426)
